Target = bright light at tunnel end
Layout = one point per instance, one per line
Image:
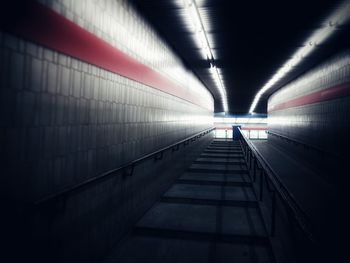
(201, 39)
(330, 25)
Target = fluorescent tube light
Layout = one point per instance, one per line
(339, 17)
(201, 38)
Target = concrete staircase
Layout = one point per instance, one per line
(210, 214)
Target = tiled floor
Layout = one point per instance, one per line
(209, 215)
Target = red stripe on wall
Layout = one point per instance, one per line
(335, 92)
(43, 26)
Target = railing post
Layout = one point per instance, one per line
(158, 156)
(254, 170)
(250, 160)
(261, 185)
(128, 171)
(248, 153)
(273, 214)
(175, 148)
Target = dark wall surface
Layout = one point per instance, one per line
(309, 125)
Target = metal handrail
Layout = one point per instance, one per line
(299, 215)
(126, 169)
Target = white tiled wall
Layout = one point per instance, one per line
(116, 22)
(63, 120)
(324, 125)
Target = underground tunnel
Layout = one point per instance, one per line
(171, 131)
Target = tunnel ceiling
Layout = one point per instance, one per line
(250, 40)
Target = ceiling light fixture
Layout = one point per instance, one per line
(202, 39)
(339, 17)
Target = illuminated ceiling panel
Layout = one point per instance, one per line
(197, 22)
(249, 41)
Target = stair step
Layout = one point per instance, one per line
(210, 182)
(224, 147)
(219, 171)
(231, 156)
(223, 167)
(204, 218)
(220, 177)
(211, 192)
(225, 144)
(197, 201)
(218, 168)
(219, 162)
(147, 245)
(222, 152)
(193, 235)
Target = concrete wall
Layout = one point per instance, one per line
(64, 121)
(325, 124)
